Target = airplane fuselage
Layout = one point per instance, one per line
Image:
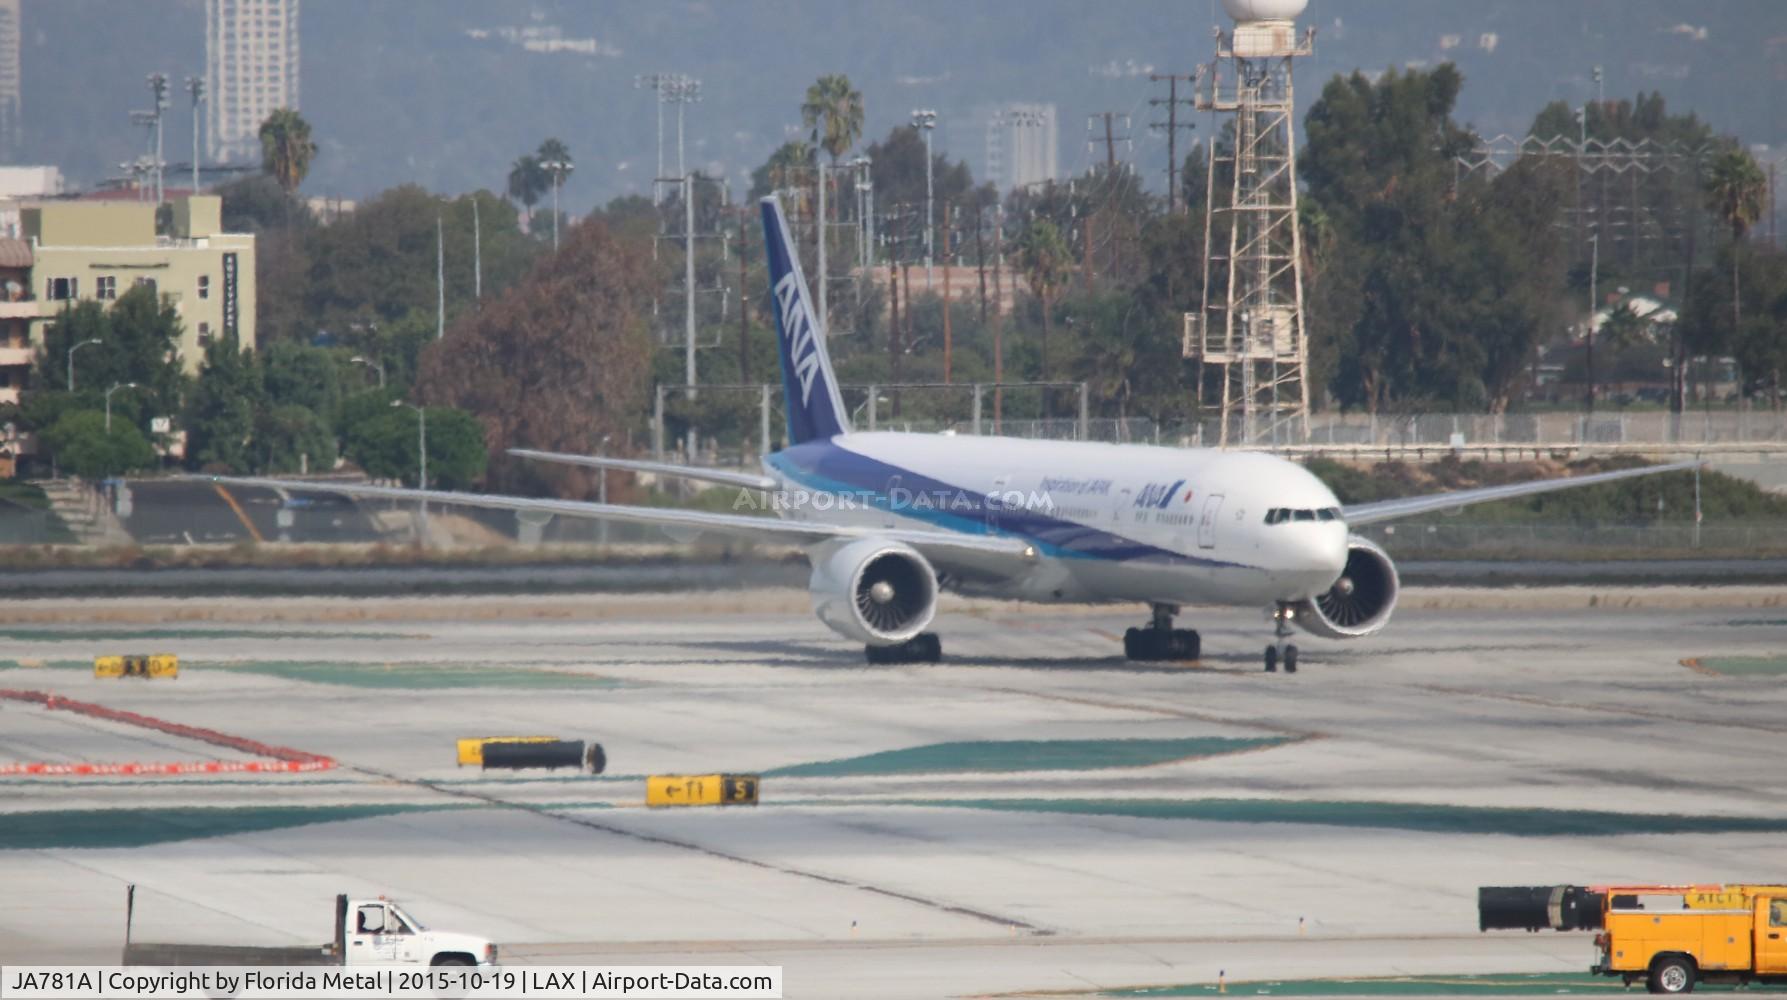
(1109, 522)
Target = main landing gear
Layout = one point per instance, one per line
(922, 648)
(1160, 640)
(1280, 650)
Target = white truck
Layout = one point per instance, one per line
(368, 932)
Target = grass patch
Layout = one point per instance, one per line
(988, 756)
(1382, 815)
(420, 676)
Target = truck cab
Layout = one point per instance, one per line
(378, 932)
(1676, 937)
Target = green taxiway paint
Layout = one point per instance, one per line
(414, 676)
(91, 828)
(995, 757)
(1382, 815)
(419, 676)
(146, 634)
(62, 829)
(1540, 984)
(1745, 666)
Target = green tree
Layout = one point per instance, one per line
(1046, 263)
(291, 438)
(83, 446)
(220, 412)
(138, 341)
(1736, 192)
(300, 375)
(286, 148)
(386, 446)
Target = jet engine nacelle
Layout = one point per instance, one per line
(879, 593)
(1359, 603)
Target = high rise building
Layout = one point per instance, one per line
(251, 70)
(1023, 144)
(11, 96)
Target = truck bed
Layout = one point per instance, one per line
(224, 954)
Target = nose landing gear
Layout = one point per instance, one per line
(1281, 650)
(1160, 640)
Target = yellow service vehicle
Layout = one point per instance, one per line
(137, 665)
(1675, 936)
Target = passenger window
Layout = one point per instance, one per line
(1306, 515)
(1777, 913)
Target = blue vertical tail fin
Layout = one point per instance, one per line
(810, 390)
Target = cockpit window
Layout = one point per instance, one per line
(1280, 515)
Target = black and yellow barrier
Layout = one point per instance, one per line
(517, 752)
(471, 751)
(701, 790)
(137, 665)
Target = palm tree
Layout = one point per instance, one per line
(833, 110)
(1044, 258)
(286, 148)
(527, 181)
(1735, 189)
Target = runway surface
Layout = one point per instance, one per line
(1032, 814)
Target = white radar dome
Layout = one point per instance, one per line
(1264, 10)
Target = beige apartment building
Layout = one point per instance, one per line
(98, 250)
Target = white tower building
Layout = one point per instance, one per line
(251, 70)
(1023, 143)
(1251, 328)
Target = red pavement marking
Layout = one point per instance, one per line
(284, 759)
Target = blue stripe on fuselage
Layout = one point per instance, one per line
(825, 467)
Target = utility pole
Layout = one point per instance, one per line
(1594, 277)
(158, 86)
(744, 300)
(689, 284)
(948, 342)
(980, 262)
(440, 280)
(477, 253)
(559, 169)
(684, 90)
(819, 172)
(1172, 127)
(656, 82)
(195, 85)
(925, 121)
(1111, 138)
(998, 317)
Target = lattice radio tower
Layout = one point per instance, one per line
(1251, 327)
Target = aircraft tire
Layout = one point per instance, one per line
(1271, 659)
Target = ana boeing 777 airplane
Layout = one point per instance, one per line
(889, 521)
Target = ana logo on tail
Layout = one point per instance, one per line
(797, 328)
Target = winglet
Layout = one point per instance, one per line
(810, 390)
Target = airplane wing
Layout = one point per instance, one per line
(1389, 510)
(941, 546)
(750, 481)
